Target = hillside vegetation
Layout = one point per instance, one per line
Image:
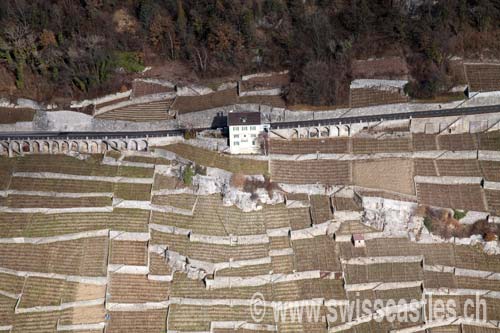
(74, 49)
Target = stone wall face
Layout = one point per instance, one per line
(212, 118)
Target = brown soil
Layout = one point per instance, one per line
(175, 71)
(305, 107)
(260, 83)
(186, 104)
(275, 101)
(11, 116)
(387, 68)
(391, 174)
(7, 82)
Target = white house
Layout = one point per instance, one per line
(244, 131)
(359, 240)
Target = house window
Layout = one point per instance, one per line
(236, 128)
(253, 128)
(253, 142)
(236, 136)
(244, 128)
(236, 143)
(254, 135)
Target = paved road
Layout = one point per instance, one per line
(393, 116)
(89, 135)
(276, 125)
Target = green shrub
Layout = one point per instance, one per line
(188, 174)
(20, 75)
(428, 223)
(130, 61)
(459, 214)
(189, 134)
(80, 84)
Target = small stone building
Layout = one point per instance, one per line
(358, 240)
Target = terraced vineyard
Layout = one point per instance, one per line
(216, 160)
(142, 112)
(92, 246)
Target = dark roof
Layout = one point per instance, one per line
(243, 118)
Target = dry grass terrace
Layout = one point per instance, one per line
(341, 203)
(132, 191)
(137, 321)
(442, 98)
(76, 257)
(128, 253)
(373, 146)
(6, 166)
(70, 165)
(468, 197)
(11, 283)
(158, 265)
(90, 256)
(128, 288)
(316, 253)
(456, 142)
(146, 159)
(216, 160)
(320, 208)
(483, 77)
(274, 101)
(7, 306)
(310, 146)
(59, 185)
(167, 182)
(311, 172)
(493, 198)
(387, 272)
(491, 170)
(407, 143)
(187, 104)
(35, 201)
(44, 225)
(489, 140)
(354, 227)
(460, 168)
(267, 82)
(210, 217)
(423, 142)
(391, 174)
(363, 97)
(300, 218)
(39, 291)
(246, 271)
(182, 200)
(146, 112)
(396, 294)
(208, 252)
(425, 167)
(182, 286)
(36, 322)
(142, 88)
(194, 318)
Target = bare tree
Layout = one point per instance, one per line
(263, 140)
(201, 58)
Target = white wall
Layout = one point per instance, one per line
(244, 139)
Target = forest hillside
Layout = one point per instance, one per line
(64, 49)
